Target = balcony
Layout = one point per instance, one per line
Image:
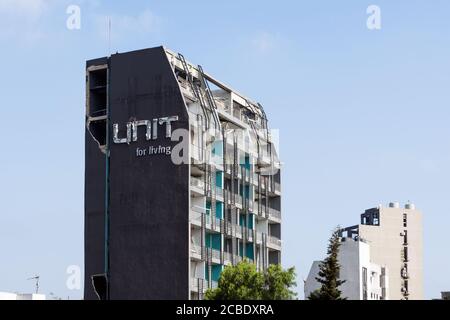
(201, 285)
(228, 258)
(196, 215)
(219, 192)
(198, 285)
(213, 284)
(247, 174)
(238, 200)
(215, 255)
(251, 205)
(217, 161)
(274, 243)
(186, 89)
(223, 105)
(277, 187)
(213, 223)
(261, 209)
(275, 215)
(197, 154)
(198, 185)
(196, 251)
(263, 184)
(237, 114)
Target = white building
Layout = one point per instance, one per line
(21, 296)
(395, 237)
(364, 280)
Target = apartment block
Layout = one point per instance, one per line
(395, 236)
(364, 279)
(182, 179)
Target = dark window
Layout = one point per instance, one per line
(364, 275)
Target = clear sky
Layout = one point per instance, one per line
(363, 115)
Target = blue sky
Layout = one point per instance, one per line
(363, 115)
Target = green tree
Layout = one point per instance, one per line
(329, 272)
(278, 283)
(244, 282)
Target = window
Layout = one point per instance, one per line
(364, 280)
(405, 220)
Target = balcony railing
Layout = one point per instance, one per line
(275, 241)
(238, 231)
(251, 205)
(209, 220)
(215, 254)
(198, 283)
(214, 284)
(217, 160)
(274, 214)
(196, 249)
(277, 187)
(196, 217)
(261, 208)
(238, 199)
(197, 153)
(196, 182)
(219, 192)
(223, 106)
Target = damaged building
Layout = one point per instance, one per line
(163, 225)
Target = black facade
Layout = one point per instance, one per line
(136, 207)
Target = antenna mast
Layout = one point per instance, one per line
(109, 35)
(36, 277)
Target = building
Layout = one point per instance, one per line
(394, 235)
(182, 178)
(364, 280)
(21, 296)
(445, 295)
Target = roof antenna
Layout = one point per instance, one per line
(36, 277)
(109, 35)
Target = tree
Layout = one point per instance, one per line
(239, 282)
(278, 283)
(244, 282)
(329, 272)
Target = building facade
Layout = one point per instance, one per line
(395, 238)
(182, 178)
(21, 296)
(364, 280)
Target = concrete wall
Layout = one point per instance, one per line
(148, 196)
(94, 206)
(311, 284)
(351, 255)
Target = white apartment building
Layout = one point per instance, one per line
(387, 239)
(394, 234)
(21, 296)
(364, 280)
